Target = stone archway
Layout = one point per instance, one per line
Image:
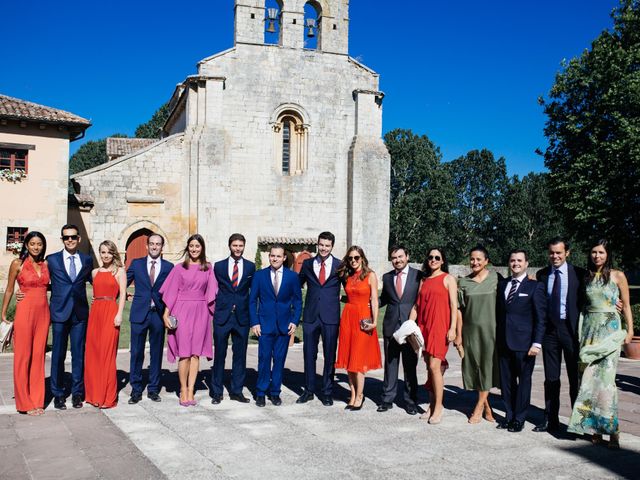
(136, 245)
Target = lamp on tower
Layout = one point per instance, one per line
(311, 25)
(272, 16)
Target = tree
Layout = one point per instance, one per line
(480, 182)
(593, 129)
(153, 128)
(421, 193)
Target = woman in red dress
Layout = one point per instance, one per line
(436, 310)
(31, 323)
(103, 328)
(358, 347)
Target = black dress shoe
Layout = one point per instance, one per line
(135, 398)
(59, 403)
(516, 426)
(276, 400)
(411, 409)
(504, 425)
(384, 406)
(305, 397)
(154, 397)
(76, 401)
(327, 401)
(239, 397)
(547, 426)
(260, 401)
(216, 398)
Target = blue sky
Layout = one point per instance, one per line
(466, 73)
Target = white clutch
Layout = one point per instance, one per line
(6, 329)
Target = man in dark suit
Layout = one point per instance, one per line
(321, 317)
(564, 285)
(70, 271)
(148, 274)
(275, 305)
(521, 314)
(231, 318)
(399, 291)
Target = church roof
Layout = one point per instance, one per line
(16, 109)
(119, 147)
(265, 240)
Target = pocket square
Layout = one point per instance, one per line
(523, 294)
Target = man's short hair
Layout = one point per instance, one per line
(519, 250)
(155, 235)
(397, 247)
(557, 240)
(277, 245)
(69, 226)
(327, 236)
(237, 237)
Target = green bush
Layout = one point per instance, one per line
(11, 311)
(635, 311)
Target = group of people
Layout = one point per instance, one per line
(498, 326)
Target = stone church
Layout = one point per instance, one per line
(273, 139)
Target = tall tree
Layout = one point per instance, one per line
(593, 128)
(421, 193)
(153, 128)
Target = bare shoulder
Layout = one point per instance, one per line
(373, 278)
(618, 277)
(16, 264)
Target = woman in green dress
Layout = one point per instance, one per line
(601, 336)
(476, 341)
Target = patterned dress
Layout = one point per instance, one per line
(601, 336)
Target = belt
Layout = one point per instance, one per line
(103, 298)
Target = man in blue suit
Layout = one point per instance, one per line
(275, 305)
(321, 317)
(148, 273)
(70, 271)
(231, 319)
(521, 315)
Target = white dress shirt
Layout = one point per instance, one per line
(158, 266)
(273, 272)
(76, 259)
(506, 295)
(328, 263)
(232, 262)
(403, 277)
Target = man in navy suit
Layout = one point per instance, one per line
(231, 319)
(70, 271)
(321, 317)
(521, 314)
(148, 273)
(275, 305)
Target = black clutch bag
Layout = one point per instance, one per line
(364, 324)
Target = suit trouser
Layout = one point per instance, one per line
(392, 353)
(271, 347)
(153, 326)
(516, 369)
(558, 341)
(239, 337)
(77, 330)
(311, 333)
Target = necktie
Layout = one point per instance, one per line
(152, 272)
(512, 292)
(234, 275)
(555, 295)
(72, 268)
(276, 285)
(323, 274)
(399, 284)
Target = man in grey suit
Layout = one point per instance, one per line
(399, 292)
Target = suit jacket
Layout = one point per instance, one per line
(522, 322)
(322, 302)
(575, 293)
(398, 309)
(144, 293)
(68, 297)
(230, 298)
(274, 314)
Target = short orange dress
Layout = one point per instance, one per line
(358, 351)
(30, 330)
(434, 316)
(100, 378)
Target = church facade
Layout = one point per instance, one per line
(277, 141)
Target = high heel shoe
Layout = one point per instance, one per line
(359, 407)
(348, 407)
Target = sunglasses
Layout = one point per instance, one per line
(434, 257)
(354, 258)
(70, 237)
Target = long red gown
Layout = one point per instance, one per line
(434, 316)
(30, 330)
(100, 378)
(358, 351)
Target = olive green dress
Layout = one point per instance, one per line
(477, 302)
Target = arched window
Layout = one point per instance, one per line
(312, 25)
(290, 141)
(273, 22)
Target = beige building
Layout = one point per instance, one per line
(34, 173)
(278, 138)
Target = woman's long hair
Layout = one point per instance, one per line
(605, 273)
(202, 259)
(113, 250)
(445, 264)
(345, 269)
(24, 252)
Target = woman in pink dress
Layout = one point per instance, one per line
(189, 293)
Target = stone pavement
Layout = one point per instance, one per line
(232, 440)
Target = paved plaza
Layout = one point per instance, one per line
(240, 441)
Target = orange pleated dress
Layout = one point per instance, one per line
(100, 378)
(30, 330)
(434, 316)
(358, 351)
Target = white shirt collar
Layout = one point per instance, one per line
(232, 260)
(520, 278)
(278, 270)
(66, 254)
(563, 268)
(149, 259)
(404, 271)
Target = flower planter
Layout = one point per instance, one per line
(632, 350)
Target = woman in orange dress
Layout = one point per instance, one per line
(436, 312)
(103, 328)
(358, 346)
(31, 323)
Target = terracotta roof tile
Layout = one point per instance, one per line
(16, 109)
(119, 147)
